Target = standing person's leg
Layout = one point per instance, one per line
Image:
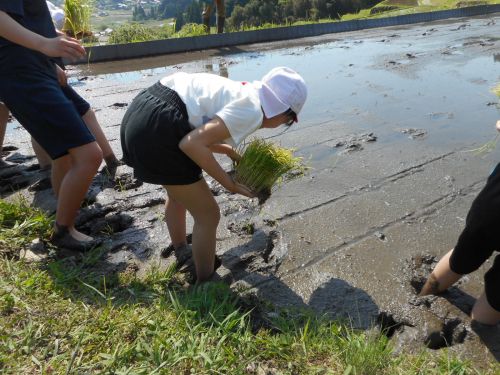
(199, 201)
(207, 12)
(84, 163)
(56, 124)
(221, 16)
(88, 116)
(484, 313)
(486, 310)
(4, 118)
(95, 128)
(43, 158)
(175, 217)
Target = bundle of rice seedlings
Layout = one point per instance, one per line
(78, 14)
(263, 165)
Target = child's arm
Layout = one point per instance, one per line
(197, 145)
(60, 46)
(227, 150)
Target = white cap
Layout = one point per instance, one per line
(281, 89)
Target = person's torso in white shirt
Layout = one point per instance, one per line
(208, 95)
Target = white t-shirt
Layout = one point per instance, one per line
(209, 95)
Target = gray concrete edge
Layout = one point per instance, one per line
(175, 45)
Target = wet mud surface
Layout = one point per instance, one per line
(391, 117)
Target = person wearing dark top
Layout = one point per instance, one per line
(477, 243)
(29, 47)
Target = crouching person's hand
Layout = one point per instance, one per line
(238, 188)
(498, 125)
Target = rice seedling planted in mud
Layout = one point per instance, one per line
(264, 164)
(496, 90)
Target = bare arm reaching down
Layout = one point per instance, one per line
(199, 145)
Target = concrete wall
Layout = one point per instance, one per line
(166, 46)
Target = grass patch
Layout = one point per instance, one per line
(136, 32)
(19, 225)
(67, 317)
(190, 29)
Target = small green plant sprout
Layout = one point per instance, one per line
(264, 165)
(491, 144)
(496, 90)
(78, 14)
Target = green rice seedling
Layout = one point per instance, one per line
(487, 147)
(491, 144)
(263, 165)
(78, 14)
(496, 90)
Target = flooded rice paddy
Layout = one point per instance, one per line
(387, 130)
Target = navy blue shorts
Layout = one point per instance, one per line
(480, 239)
(50, 113)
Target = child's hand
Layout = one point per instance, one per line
(61, 76)
(62, 46)
(241, 189)
(498, 125)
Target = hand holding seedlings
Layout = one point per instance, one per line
(264, 164)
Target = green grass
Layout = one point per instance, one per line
(154, 30)
(70, 316)
(19, 225)
(136, 32)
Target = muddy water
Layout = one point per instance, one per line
(390, 118)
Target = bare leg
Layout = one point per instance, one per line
(43, 158)
(107, 152)
(60, 168)
(175, 217)
(4, 117)
(482, 312)
(441, 278)
(199, 201)
(84, 162)
(207, 11)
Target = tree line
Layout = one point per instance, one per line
(249, 13)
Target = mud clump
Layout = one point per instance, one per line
(111, 223)
(414, 133)
(126, 182)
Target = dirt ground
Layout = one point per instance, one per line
(392, 117)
